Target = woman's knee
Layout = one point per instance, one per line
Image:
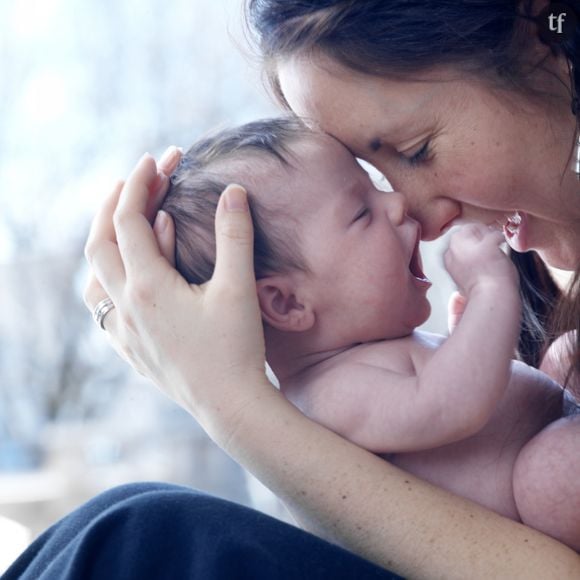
(105, 530)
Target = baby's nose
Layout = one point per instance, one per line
(397, 207)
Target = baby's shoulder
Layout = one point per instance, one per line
(396, 355)
(313, 387)
(385, 354)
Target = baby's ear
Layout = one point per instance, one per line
(281, 304)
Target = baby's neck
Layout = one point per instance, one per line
(290, 358)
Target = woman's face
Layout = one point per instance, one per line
(458, 150)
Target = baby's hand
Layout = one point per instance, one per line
(474, 259)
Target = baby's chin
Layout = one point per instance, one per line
(423, 313)
(376, 329)
(419, 314)
(407, 327)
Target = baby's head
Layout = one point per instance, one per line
(255, 155)
(336, 259)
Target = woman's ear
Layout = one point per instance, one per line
(282, 306)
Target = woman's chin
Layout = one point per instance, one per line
(564, 256)
(555, 259)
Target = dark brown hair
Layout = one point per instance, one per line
(567, 318)
(201, 177)
(401, 38)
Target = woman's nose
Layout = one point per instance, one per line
(436, 217)
(426, 204)
(434, 214)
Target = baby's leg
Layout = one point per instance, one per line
(547, 481)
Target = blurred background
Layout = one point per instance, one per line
(85, 89)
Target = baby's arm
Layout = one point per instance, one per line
(454, 391)
(468, 375)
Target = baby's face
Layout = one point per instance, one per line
(366, 281)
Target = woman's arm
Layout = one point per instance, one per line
(203, 346)
(345, 494)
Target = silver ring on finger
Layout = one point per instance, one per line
(101, 310)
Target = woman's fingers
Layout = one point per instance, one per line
(101, 248)
(231, 299)
(159, 186)
(109, 270)
(164, 230)
(169, 160)
(146, 189)
(102, 225)
(193, 341)
(234, 239)
(137, 243)
(102, 253)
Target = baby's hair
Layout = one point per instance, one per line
(202, 175)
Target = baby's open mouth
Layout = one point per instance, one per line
(415, 265)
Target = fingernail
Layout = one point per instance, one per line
(236, 198)
(161, 222)
(169, 156)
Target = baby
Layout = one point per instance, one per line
(342, 290)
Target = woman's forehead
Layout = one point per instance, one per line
(317, 71)
(358, 102)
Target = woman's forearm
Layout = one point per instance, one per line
(351, 497)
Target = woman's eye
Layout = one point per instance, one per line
(420, 156)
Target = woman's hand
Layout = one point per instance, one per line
(197, 343)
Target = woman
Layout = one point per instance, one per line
(469, 128)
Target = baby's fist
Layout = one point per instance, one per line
(474, 258)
